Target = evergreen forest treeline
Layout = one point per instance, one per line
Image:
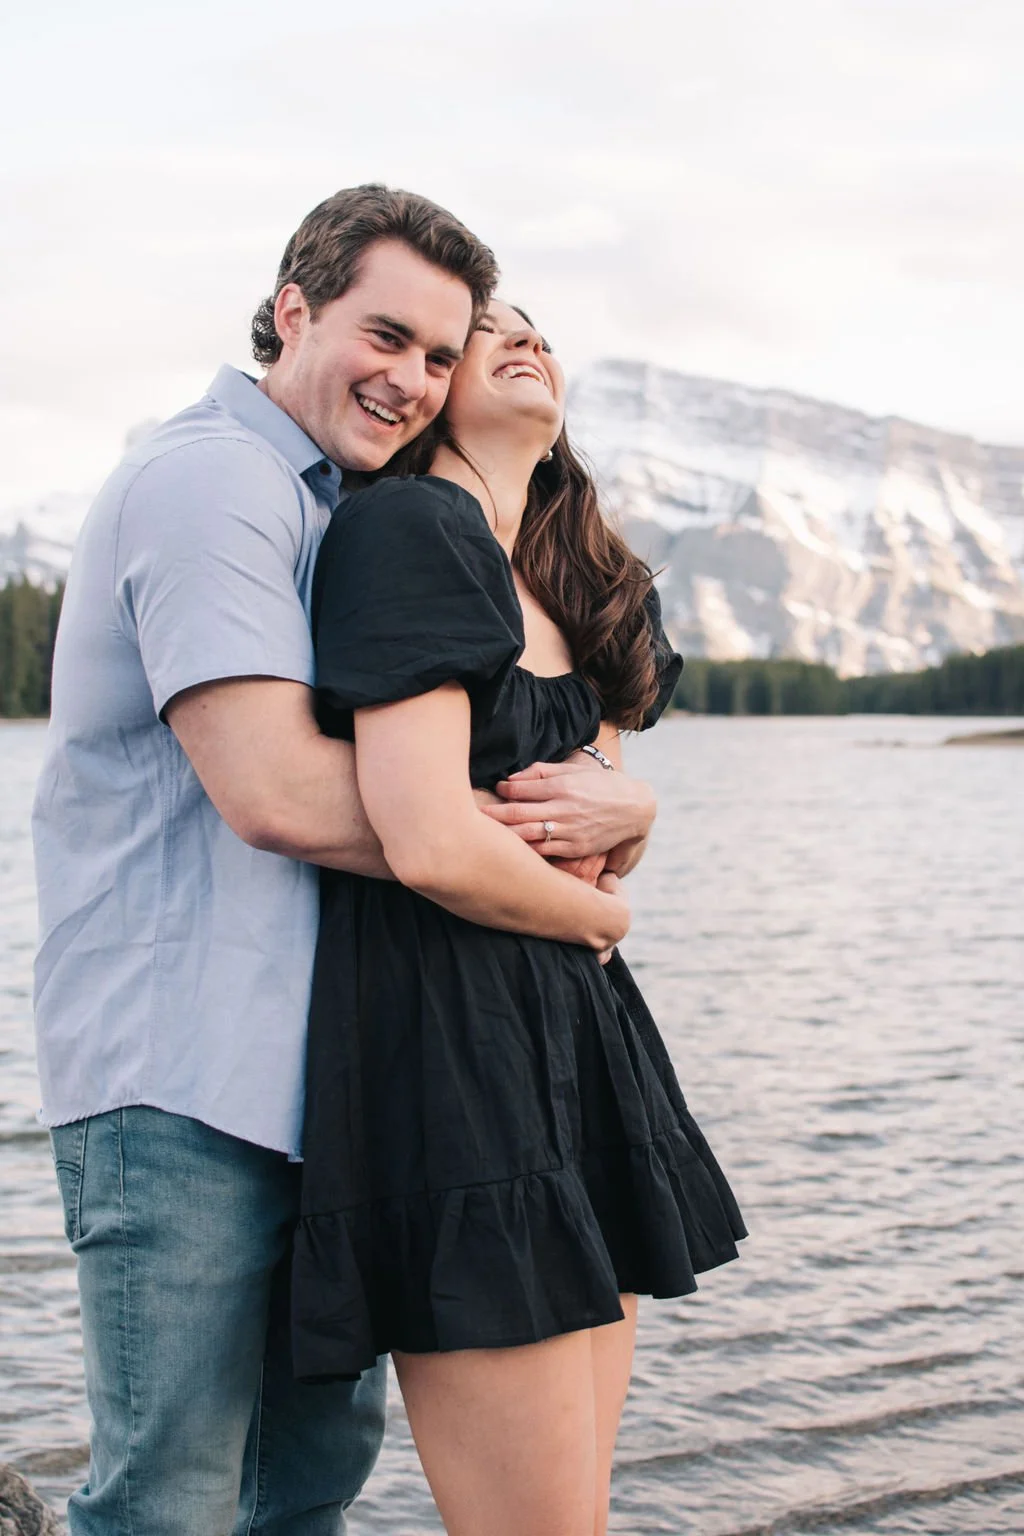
(991, 684)
(28, 626)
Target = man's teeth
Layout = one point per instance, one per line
(517, 371)
(376, 409)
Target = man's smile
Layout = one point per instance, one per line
(379, 412)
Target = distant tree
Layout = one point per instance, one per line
(28, 626)
(991, 684)
(692, 688)
(759, 692)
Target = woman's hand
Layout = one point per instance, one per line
(592, 811)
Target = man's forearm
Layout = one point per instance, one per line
(320, 818)
(278, 783)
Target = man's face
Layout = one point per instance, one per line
(373, 368)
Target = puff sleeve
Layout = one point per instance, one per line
(412, 590)
(668, 662)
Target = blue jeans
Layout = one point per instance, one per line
(199, 1429)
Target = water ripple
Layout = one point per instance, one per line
(832, 941)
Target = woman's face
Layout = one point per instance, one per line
(508, 380)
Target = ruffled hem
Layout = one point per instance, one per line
(507, 1263)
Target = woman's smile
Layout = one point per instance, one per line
(520, 370)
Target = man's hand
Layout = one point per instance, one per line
(592, 871)
(587, 869)
(592, 811)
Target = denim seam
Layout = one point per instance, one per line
(81, 1182)
(76, 1167)
(258, 1452)
(127, 1328)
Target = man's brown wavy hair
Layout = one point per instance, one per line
(580, 570)
(324, 255)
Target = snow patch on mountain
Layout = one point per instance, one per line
(792, 527)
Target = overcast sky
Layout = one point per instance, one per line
(822, 194)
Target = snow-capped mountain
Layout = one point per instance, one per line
(37, 541)
(790, 527)
(785, 526)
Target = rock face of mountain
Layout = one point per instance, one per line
(789, 527)
(785, 526)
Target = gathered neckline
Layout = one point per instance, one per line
(551, 677)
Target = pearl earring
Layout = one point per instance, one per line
(548, 456)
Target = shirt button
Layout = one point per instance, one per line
(324, 468)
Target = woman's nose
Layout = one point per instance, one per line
(526, 338)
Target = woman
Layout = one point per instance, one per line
(498, 1156)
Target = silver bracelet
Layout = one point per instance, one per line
(599, 757)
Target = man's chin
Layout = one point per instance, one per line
(366, 455)
(366, 460)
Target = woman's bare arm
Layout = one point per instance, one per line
(412, 768)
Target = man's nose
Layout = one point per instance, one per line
(408, 374)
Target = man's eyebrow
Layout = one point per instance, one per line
(392, 324)
(408, 334)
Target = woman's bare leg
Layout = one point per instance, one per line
(507, 1437)
(612, 1357)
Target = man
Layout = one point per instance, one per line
(185, 799)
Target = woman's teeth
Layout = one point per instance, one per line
(375, 408)
(517, 371)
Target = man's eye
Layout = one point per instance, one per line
(545, 346)
(486, 326)
(447, 363)
(388, 336)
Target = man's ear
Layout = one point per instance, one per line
(291, 314)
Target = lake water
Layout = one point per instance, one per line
(830, 928)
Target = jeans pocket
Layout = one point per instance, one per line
(68, 1143)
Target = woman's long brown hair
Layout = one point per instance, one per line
(580, 570)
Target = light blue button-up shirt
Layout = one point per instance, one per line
(174, 962)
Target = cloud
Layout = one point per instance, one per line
(821, 194)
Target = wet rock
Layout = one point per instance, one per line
(22, 1511)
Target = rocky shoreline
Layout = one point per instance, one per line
(22, 1511)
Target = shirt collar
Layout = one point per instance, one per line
(237, 392)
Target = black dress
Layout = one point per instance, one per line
(496, 1145)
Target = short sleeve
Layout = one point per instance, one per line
(412, 590)
(668, 662)
(208, 543)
